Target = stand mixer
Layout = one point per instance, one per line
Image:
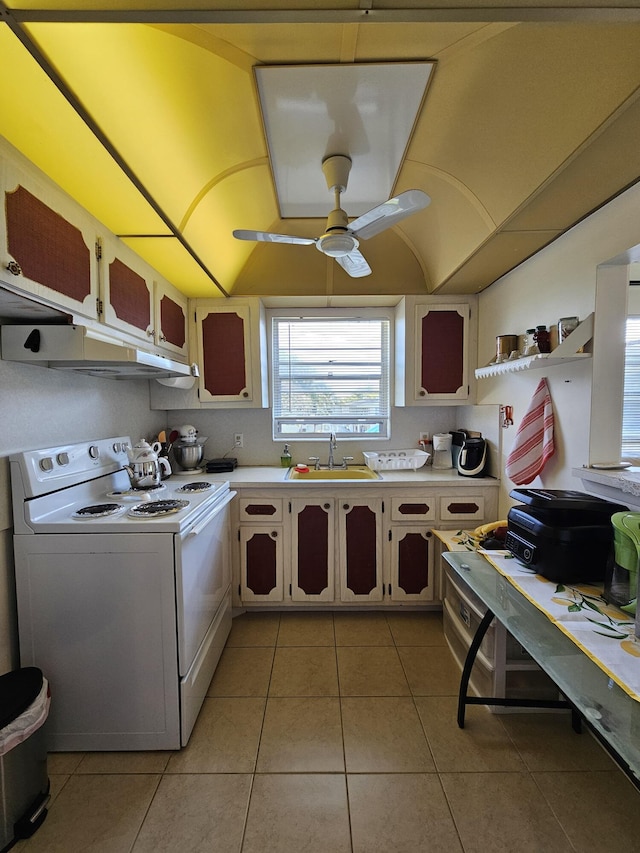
(188, 451)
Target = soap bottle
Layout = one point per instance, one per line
(285, 459)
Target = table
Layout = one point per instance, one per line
(611, 714)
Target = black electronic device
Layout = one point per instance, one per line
(565, 536)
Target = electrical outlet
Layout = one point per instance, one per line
(424, 436)
(238, 440)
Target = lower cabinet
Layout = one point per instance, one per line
(331, 548)
(411, 563)
(261, 550)
(312, 550)
(360, 549)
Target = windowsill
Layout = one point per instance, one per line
(621, 486)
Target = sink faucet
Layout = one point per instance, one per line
(333, 444)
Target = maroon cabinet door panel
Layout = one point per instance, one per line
(49, 249)
(224, 355)
(413, 563)
(442, 358)
(361, 568)
(129, 295)
(261, 563)
(172, 322)
(313, 550)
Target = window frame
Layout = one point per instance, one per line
(630, 447)
(380, 313)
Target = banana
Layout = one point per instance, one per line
(487, 528)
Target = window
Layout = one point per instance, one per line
(330, 375)
(631, 406)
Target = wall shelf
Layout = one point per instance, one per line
(564, 353)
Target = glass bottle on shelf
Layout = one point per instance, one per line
(528, 343)
(542, 339)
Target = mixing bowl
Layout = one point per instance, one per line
(189, 456)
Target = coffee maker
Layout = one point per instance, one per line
(442, 458)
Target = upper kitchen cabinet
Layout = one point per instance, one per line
(47, 242)
(232, 353)
(435, 339)
(137, 302)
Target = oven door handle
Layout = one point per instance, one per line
(198, 528)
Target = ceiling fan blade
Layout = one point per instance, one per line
(354, 264)
(387, 214)
(267, 237)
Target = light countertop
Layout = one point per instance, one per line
(272, 476)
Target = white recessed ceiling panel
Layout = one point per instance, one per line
(366, 111)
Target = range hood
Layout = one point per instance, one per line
(86, 350)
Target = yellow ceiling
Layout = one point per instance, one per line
(151, 120)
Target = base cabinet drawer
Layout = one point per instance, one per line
(462, 508)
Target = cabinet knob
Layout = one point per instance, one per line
(345, 506)
(422, 392)
(150, 333)
(245, 393)
(326, 506)
(274, 534)
(14, 268)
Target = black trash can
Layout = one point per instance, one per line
(24, 781)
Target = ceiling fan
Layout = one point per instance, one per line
(341, 238)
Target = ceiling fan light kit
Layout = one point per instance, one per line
(340, 240)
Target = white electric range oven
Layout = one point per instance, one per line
(124, 597)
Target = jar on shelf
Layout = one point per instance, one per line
(528, 344)
(566, 325)
(542, 339)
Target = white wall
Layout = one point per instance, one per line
(42, 407)
(260, 449)
(557, 282)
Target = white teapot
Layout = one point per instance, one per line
(144, 469)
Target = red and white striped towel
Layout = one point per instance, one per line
(533, 444)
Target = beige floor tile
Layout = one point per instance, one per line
(384, 735)
(430, 671)
(547, 742)
(224, 740)
(482, 745)
(362, 629)
(417, 629)
(63, 762)
(370, 671)
(301, 735)
(254, 629)
(290, 813)
(303, 671)
(124, 762)
(400, 813)
(196, 813)
(306, 629)
(242, 672)
(95, 813)
(598, 811)
(502, 813)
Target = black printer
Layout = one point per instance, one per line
(565, 536)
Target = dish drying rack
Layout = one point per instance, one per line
(396, 460)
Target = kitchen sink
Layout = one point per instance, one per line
(354, 472)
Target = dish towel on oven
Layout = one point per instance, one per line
(533, 444)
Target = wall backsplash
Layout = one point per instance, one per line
(259, 448)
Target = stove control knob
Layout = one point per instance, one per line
(117, 447)
(62, 458)
(94, 451)
(46, 464)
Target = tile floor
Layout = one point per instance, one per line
(332, 732)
